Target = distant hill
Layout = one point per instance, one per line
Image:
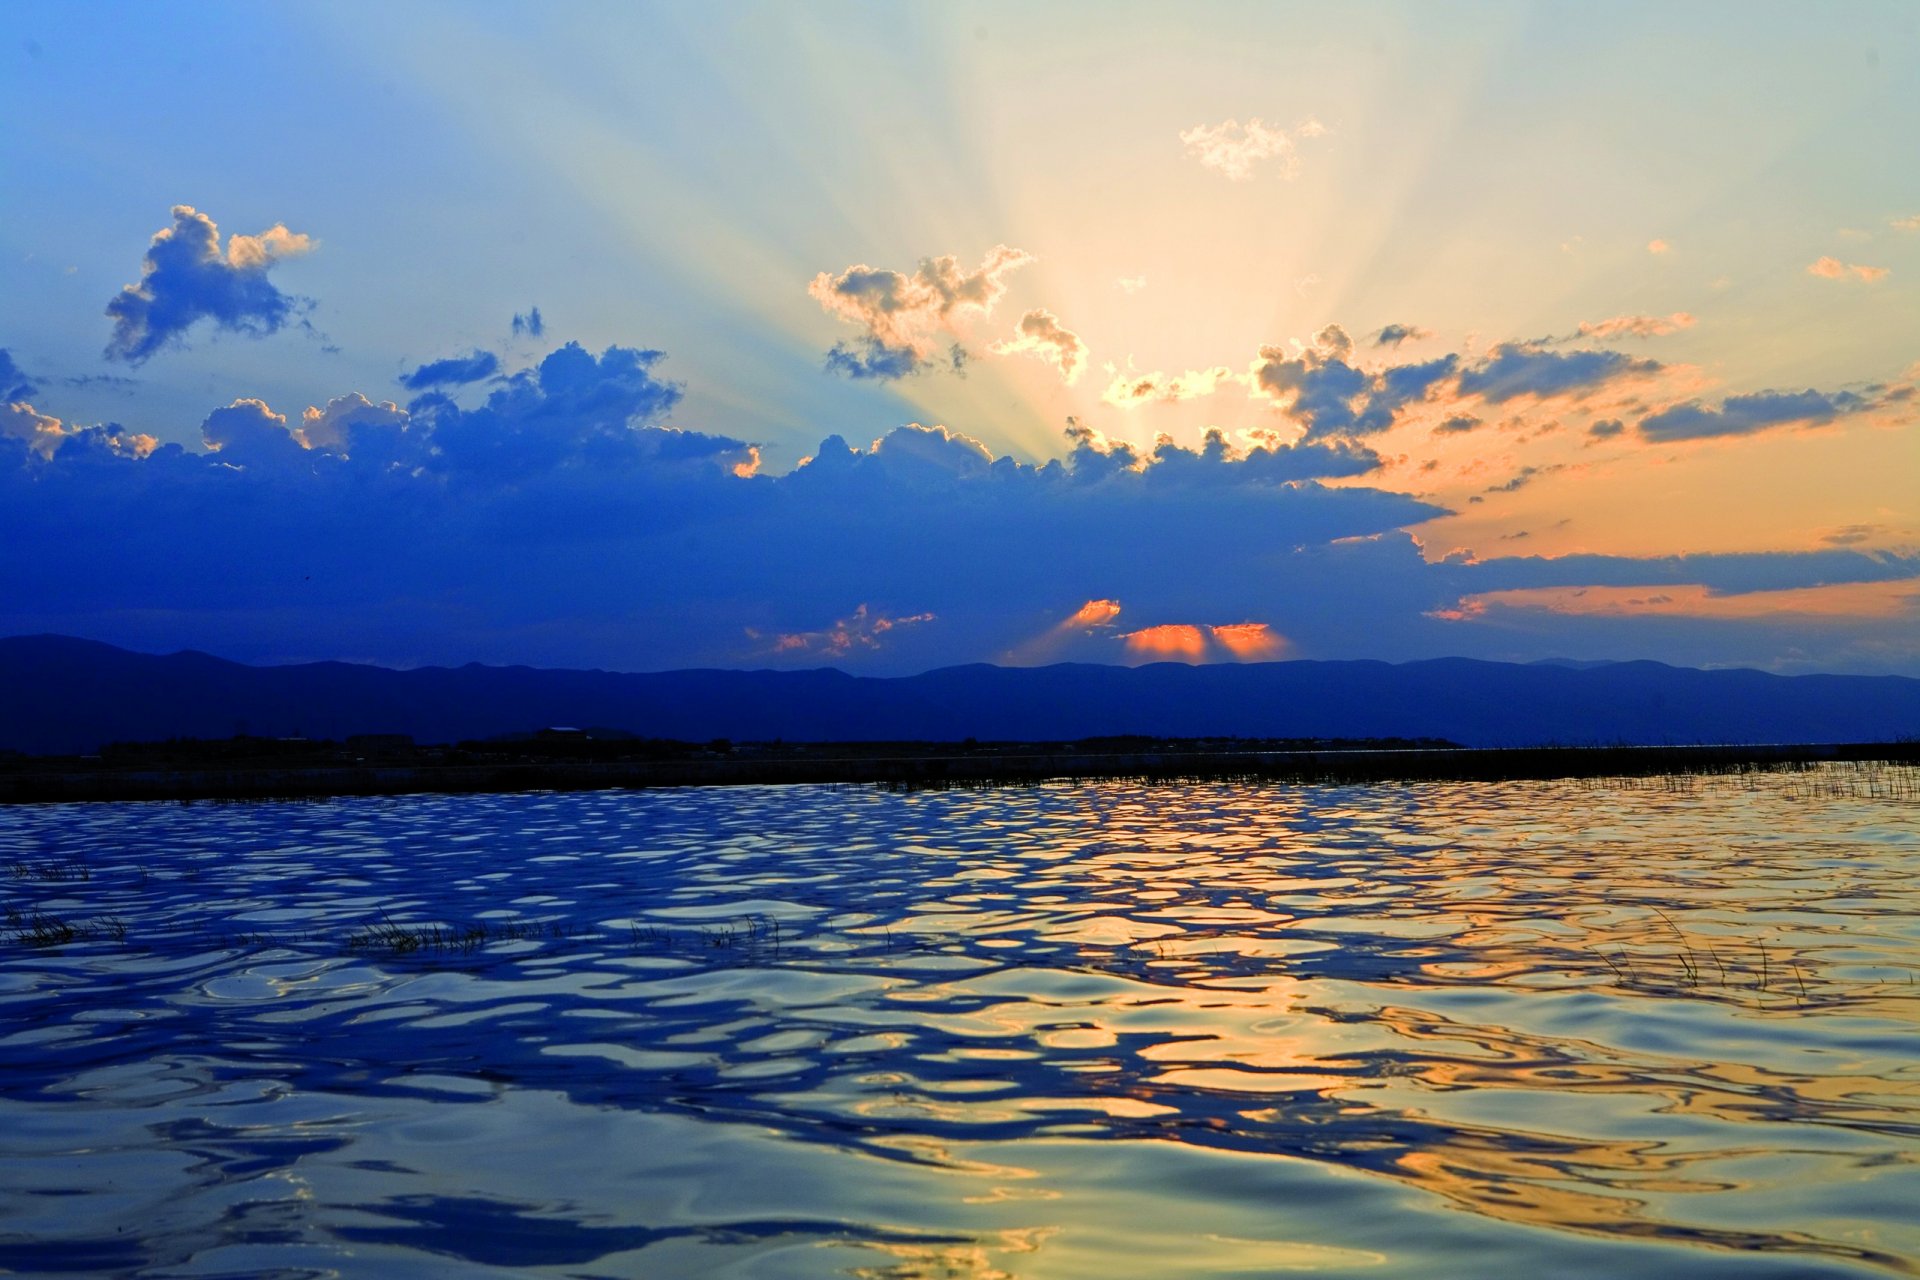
(62, 695)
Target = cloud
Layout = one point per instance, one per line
(1233, 149)
(530, 324)
(1743, 415)
(14, 385)
(906, 318)
(1456, 424)
(1635, 326)
(1131, 285)
(1317, 386)
(566, 521)
(1176, 641)
(1905, 224)
(1857, 600)
(1659, 247)
(44, 436)
(1606, 428)
(864, 629)
(1094, 613)
(1394, 334)
(1199, 642)
(186, 278)
(40, 432)
(1041, 334)
(453, 371)
(349, 424)
(1834, 269)
(1250, 641)
(1515, 369)
(1131, 389)
(247, 433)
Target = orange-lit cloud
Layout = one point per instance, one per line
(1091, 617)
(1636, 326)
(1852, 600)
(1834, 269)
(1168, 640)
(43, 434)
(1188, 642)
(1094, 613)
(1250, 641)
(251, 252)
(1041, 334)
(1659, 246)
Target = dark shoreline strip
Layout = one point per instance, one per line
(934, 770)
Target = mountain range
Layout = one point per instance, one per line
(61, 695)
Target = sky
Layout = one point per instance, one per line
(889, 337)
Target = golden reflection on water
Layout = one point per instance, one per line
(1681, 1013)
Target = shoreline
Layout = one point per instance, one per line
(937, 768)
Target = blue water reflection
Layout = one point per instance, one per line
(1564, 1028)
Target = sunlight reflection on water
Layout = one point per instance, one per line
(1105, 1030)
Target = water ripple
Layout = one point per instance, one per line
(1105, 1029)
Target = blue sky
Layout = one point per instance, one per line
(1210, 333)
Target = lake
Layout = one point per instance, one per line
(1663, 1026)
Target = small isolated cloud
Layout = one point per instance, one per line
(1606, 429)
(1834, 269)
(1658, 247)
(1041, 334)
(861, 631)
(454, 371)
(530, 324)
(1395, 334)
(14, 384)
(1130, 389)
(1849, 535)
(1131, 285)
(908, 318)
(1906, 224)
(1744, 415)
(1234, 149)
(1636, 326)
(186, 277)
(1306, 284)
(1457, 424)
(1094, 613)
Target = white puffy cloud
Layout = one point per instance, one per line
(1234, 150)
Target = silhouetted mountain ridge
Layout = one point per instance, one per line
(60, 694)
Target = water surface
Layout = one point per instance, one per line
(1665, 1027)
